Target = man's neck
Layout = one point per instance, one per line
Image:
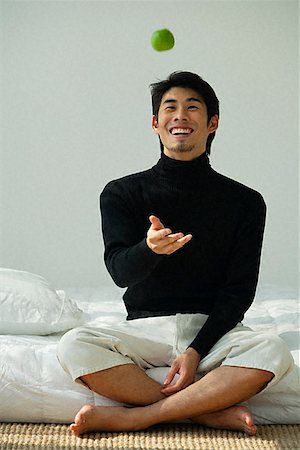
(183, 156)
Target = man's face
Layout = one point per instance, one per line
(182, 124)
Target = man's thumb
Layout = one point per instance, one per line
(156, 223)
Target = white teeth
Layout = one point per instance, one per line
(181, 131)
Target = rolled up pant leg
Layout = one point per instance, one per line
(240, 347)
(82, 350)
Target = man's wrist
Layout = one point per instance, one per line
(191, 351)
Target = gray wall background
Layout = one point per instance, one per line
(76, 113)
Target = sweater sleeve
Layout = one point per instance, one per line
(127, 256)
(237, 293)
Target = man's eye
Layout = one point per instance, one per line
(193, 107)
(170, 108)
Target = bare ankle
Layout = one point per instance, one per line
(233, 418)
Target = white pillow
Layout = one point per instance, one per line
(28, 305)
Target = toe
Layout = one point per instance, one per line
(75, 429)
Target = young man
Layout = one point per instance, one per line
(186, 242)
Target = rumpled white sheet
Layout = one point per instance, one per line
(34, 388)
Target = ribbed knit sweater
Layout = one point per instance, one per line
(215, 273)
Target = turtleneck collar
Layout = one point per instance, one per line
(183, 172)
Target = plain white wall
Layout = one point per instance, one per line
(76, 112)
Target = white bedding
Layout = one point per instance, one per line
(34, 388)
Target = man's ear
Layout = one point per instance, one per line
(154, 125)
(213, 123)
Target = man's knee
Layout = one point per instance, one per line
(279, 355)
(66, 346)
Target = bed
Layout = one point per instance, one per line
(33, 316)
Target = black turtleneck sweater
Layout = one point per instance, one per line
(215, 273)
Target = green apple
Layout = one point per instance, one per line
(162, 40)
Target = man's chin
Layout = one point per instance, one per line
(182, 148)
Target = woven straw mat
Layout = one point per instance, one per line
(17, 436)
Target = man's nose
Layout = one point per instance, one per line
(181, 114)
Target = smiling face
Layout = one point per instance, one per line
(182, 124)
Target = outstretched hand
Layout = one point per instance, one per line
(162, 241)
(185, 365)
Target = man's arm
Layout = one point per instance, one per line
(237, 293)
(129, 256)
(233, 300)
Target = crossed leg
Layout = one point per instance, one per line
(211, 401)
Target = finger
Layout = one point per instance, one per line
(169, 390)
(170, 375)
(157, 230)
(172, 388)
(172, 247)
(178, 238)
(174, 236)
(155, 223)
(184, 239)
(163, 233)
(181, 382)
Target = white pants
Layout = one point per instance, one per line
(156, 341)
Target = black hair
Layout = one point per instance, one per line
(191, 81)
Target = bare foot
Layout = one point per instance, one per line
(102, 418)
(237, 418)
